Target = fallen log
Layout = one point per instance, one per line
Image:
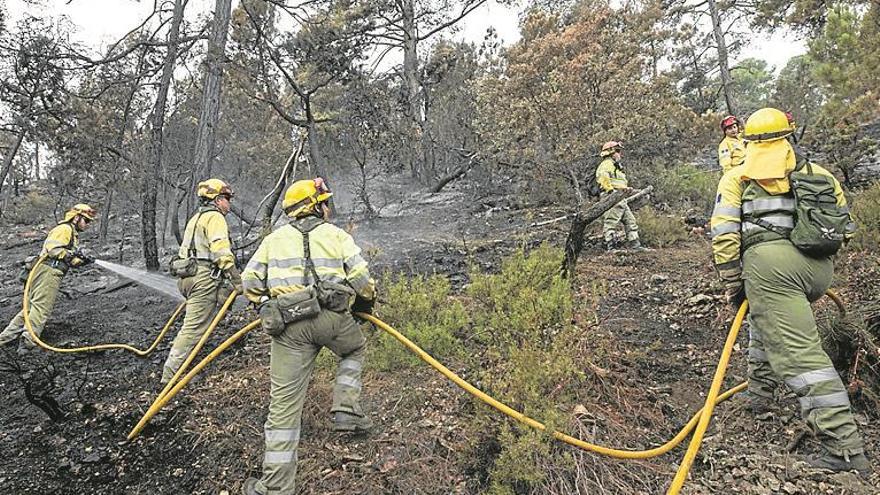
(574, 244)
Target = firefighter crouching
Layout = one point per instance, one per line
(61, 249)
(303, 276)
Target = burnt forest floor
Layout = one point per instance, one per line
(661, 312)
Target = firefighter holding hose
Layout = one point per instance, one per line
(304, 276)
(61, 251)
(206, 269)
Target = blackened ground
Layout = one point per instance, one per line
(658, 314)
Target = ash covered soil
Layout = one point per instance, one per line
(658, 315)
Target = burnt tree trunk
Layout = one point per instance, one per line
(723, 64)
(151, 175)
(574, 244)
(264, 215)
(10, 157)
(451, 176)
(203, 158)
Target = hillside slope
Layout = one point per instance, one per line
(654, 333)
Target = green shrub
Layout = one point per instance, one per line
(659, 230)
(866, 210)
(523, 315)
(686, 187)
(527, 301)
(30, 209)
(422, 309)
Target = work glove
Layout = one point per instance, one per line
(361, 305)
(79, 258)
(234, 276)
(735, 294)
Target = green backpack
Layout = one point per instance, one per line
(820, 225)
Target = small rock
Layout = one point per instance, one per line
(699, 299)
(789, 488)
(658, 279)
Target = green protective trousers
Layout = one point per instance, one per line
(780, 283)
(201, 292)
(620, 213)
(44, 291)
(290, 367)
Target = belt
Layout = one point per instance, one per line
(58, 265)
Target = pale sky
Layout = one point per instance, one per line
(102, 22)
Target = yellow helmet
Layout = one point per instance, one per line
(610, 148)
(212, 188)
(83, 209)
(303, 195)
(768, 124)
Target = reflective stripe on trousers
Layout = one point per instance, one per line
(291, 364)
(780, 283)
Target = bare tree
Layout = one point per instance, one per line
(205, 136)
(403, 25)
(154, 163)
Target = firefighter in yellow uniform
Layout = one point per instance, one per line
(295, 258)
(61, 249)
(205, 240)
(755, 257)
(731, 149)
(611, 177)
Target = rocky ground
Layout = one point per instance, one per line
(658, 313)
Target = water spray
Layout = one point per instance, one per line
(25, 310)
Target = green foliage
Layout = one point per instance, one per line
(797, 90)
(420, 308)
(524, 317)
(846, 58)
(753, 81)
(866, 210)
(684, 186)
(659, 230)
(527, 302)
(570, 85)
(31, 209)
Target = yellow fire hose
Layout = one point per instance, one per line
(703, 424)
(164, 398)
(25, 310)
(522, 418)
(155, 407)
(699, 421)
(697, 439)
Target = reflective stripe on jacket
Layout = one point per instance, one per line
(61, 241)
(609, 176)
(731, 153)
(738, 203)
(278, 266)
(211, 242)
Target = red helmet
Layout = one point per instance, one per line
(610, 147)
(728, 121)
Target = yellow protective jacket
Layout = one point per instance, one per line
(278, 266)
(61, 242)
(738, 195)
(731, 153)
(609, 176)
(206, 238)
